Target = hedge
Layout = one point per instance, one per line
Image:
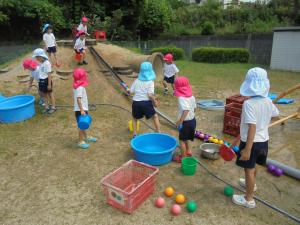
(177, 53)
(220, 55)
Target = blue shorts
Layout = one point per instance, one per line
(143, 108)
(51, 49)
(78, 113)
(43, 86)
(170, 80)
(259, 154)
(79, 51)
(187, 132)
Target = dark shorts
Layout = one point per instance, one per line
(142, 108)
(259, 153)
(187, 131)
(51, 49)
(170, 80)
(43, 85)
(78, 113)
(79, 51)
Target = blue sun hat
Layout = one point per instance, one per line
(256, 83)
(46, 26)
(40, 52)
(146, 72)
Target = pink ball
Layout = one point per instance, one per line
(176, 210)
(201, 136)
(160, 202)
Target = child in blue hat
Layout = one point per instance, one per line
(50, 42)
(257, 114)
(144, 98)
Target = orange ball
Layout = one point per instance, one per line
(169, 191)
(180, 199)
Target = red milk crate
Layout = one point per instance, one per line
(130, 185)
(236, 99)
(234, 109)
(231, 125)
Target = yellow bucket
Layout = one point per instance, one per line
(130, 126)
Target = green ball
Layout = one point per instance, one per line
(191, 206)
(228, 191)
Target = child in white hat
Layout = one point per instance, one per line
(50, 42)
(257, 114)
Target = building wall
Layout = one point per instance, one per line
(286, 50)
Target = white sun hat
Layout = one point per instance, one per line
(256, 83)
(40, 52)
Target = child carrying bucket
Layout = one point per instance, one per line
(50, 42)
(33, 67)
(256, 115)
(80, 48)
(81, 104)
(144, 99)
(83, 25)
(45, 80)
(170, 72)
(186, 116)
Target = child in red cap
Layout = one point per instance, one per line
(83, 25)
(80, 47)
(81, 106)
(170, 72)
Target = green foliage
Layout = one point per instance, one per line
(208, 28)
(220, 55)
(178, 53)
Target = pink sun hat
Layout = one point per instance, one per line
(182, 87)
(84, 19)
(168, 57)
(30, 63)
(80, 78)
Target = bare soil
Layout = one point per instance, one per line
(45, 179)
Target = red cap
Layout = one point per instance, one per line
(30, 63)
(84, 19)
(168, 57)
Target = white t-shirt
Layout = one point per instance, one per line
(80, 92)
(258, 111)
(187, 104)
(35, 74)
(44, 69)
(141, 89)
(82, 27)
(79, 44)
(49, 40)
(170, 70)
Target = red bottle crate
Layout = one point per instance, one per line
(236, 99)
(234, 109)
(130, 185)
(231, 125)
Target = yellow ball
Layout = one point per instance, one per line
(221, 142)
(210, 139)
(180, 199)
(216, 141)
(169, 191)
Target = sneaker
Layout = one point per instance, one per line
(84, 62)
(133, 136)
(91, 139)
(50, 111)
(83, 145)
(79, 64)
(242, 183)
(44, 111)
(240, 200)
(165, 91)
(41, 102)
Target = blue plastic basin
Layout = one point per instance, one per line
(2, 98)
(84, 122)
(17, 108)
(154, 148)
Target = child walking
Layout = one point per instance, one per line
(50, 42)
(186, 116)
(83, 25)
(144, 98)
(33, 67)
(170, 72)
(45, 80)
(81, 104)
(80, 47)
(256, 115)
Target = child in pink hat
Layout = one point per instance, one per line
(80, 47)
(81, 106)
(186, 116)
(170, 72)
(83, 25)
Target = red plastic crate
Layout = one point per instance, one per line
(233, 109)
(236, 99)
(130, 185)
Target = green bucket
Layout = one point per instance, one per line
(189, 165)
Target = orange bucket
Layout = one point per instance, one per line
(77, 57)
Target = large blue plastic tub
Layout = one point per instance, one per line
(154, 148)
(17, 108)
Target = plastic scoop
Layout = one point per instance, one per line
(226, 153)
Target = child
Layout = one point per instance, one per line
(83, 25)
(170, 72)
(32, 66)
(256, 115)
(144, 99)
(50, 42)
(45, 80)
(186, 116)
(81, 104)
(80, 48)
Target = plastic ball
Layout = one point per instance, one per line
(210, 139)
(169, 191)
(206, 136)
(236, 149)
(215, 140)
(160, 202)
(191, 206)
(180, 199)
(271, 168)
(201, 136)
(228, 191)
(197, 133)
(221, 142)
(278, 172)
(176, 210)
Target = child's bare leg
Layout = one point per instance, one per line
(250, 182)
(51, 97)
(156, 123)
(165, 84)
(82, 135)
(134, 126)
(55, 58)
(83, 56)
(46, 99)
(188, 148)
(182, 148)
